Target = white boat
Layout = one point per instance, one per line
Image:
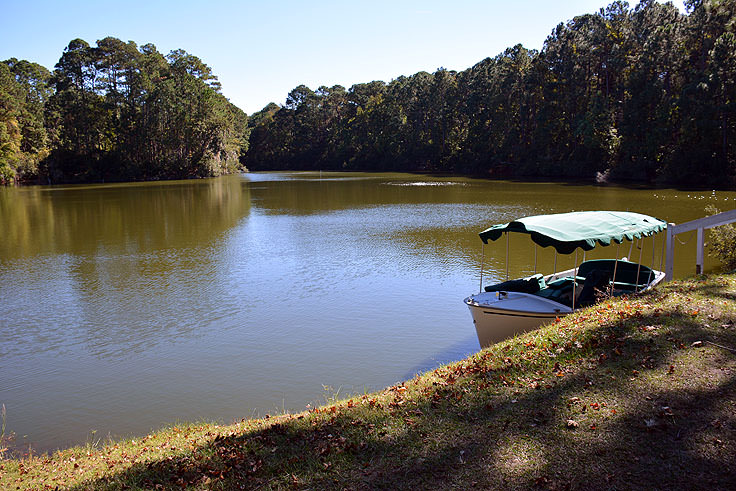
(512, 307)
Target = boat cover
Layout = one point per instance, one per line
(568, 231)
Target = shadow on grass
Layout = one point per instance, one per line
(632, 405)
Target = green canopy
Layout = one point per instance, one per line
(568, 231)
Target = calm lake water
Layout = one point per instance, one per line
(126, 307)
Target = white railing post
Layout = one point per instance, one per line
(699, 225)
(699, 257)
(670, 264)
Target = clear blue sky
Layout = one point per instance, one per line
(260, 50)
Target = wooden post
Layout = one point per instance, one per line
(670, 264)
(699, 256)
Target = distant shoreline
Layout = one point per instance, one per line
(624, 183)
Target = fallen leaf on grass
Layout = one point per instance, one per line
(571, 423)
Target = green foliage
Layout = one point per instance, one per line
(116, 112)
(24, 91)
(644, 93)
(722, 241)
(10, 136)
(647, 94)
(121, 112)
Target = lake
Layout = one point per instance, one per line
(126, 307)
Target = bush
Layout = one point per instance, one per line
(7, 174)
(722, 241)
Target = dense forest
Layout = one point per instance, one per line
(644, 93)
(116, 111)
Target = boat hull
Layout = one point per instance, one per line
(501, 315)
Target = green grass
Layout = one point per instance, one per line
(630, 394)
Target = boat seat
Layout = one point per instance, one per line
(560, 290)
(596, 279)
(622, 285)
(530, 284)
(539, 278)
(564, 281)
(626, 272)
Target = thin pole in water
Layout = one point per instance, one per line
(507, 255)
(575, 280)
(482, 256)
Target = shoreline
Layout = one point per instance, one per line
(591, 181)
(634, 392)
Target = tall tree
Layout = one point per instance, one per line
(124, 112)
(24, 92)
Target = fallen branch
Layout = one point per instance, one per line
(732, 350)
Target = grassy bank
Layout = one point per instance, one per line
(637, 392)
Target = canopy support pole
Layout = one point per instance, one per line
(482, 257)
(507, 256)
(615, 267)
(535, 258)
(638, 267)
(631, 248)
(651, 270)
(555, 273)
(575, 280)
